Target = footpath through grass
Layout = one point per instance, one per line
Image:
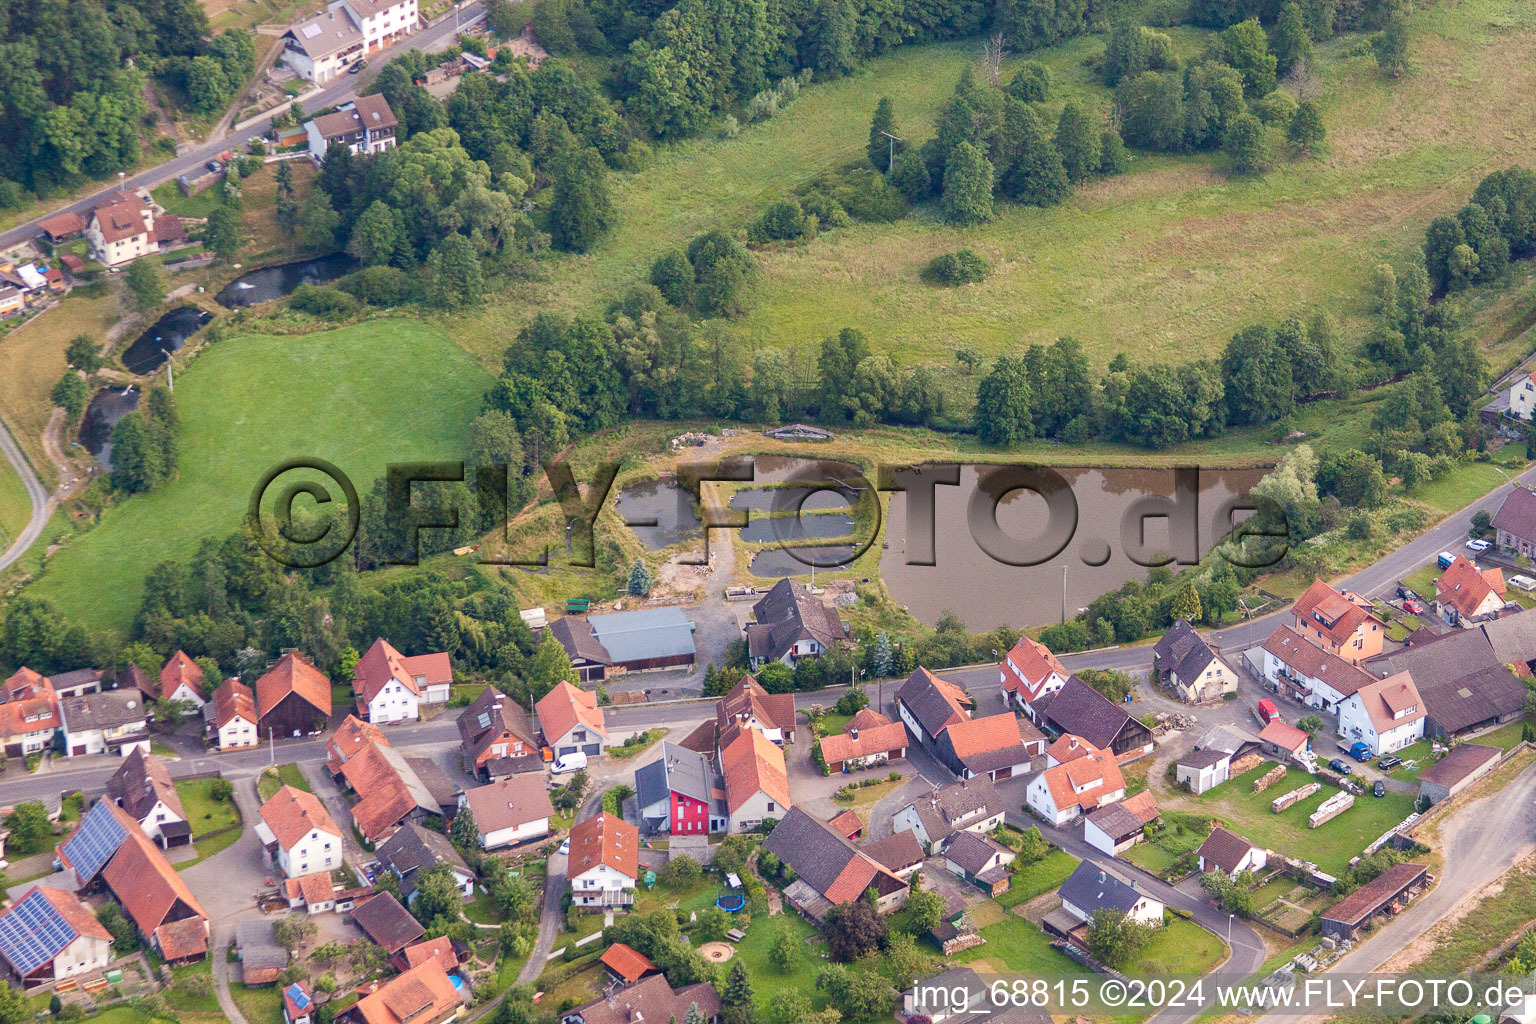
(360, 397)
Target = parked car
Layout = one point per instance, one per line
(1389, 762)
(565, 847)
(1478, 545)
(1522, 582)
(1360, 751)
(355, 68)
(1444, 559)
(1380, 789)
(1413, 607)
(1341, 766)
(214, 166)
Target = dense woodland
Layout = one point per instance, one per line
(73, 80)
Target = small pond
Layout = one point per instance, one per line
(168, 334)
(772, 563)
(788, 529)
(270, 283)
(663, 503)
(787, 499)
(106, 408)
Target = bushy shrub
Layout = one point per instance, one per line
(324, 301)
(780, 222)
(962, 266)
(1275, 110)
(378, 286)
(829, 213)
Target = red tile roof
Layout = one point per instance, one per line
(1392, 702)
(122, 219)
(1301, 655)
(1286, 737)
(382, 665)
(422, 995)
(847, 823)
(439, 949)
(145, 883)
(1464, 587)
(233, 699)
(628, 963)
(292, 814)
(748, 698)
(180, 669)
(180, 940)
(1065, 779)
(880, 739)
(509, 803)
(1335, 615)
(605, 839)
(564, 708)
(75, 914)
(293, 673)
(752, 764)
(1143, 805)
(1028, 666)
(352, 735)
(385, 798)
(983, 735)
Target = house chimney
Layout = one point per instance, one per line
(853, 733)
(1101, 877)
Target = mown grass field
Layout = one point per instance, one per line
(1165, 261)
(382, 391)
(15, 506)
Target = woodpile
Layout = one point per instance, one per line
(1269, 778)
(1331, 808)
(1294, 797)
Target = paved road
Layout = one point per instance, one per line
(42, 505)
(339, 91)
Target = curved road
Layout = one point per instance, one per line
(42, 503)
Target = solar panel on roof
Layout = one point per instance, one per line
(33, 933)
(297, 995)
(310, 31)
(93, 844)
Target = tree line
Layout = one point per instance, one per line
(72, 93)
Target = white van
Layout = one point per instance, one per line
(1522, 582)
(567, 763)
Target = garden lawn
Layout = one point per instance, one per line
(1181, 947)
(1504, 737)
(1151, 858)
(15, 505)
(258, 1005)
(287, 775)
(484, 910)
(1014, 944)
(1040, 877)
(1330, 845)
(357, 397)
(204, 813)
(768, 982)
(181, 1001)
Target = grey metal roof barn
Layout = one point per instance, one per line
(645, 635)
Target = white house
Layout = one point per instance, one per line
(1084, 783)
(232, 716)
(756, 780)
(95, 723)
(413, 851)
(49, 935)
(571, 721)
(365, 126)
(1090, 889)
(1522, 397)
(1230, 854)
(383, 22)
(510, 811)
(122, 230)
(1304, 671)
(143, 788)
(1183, 662)
(182, 680)
(299, 833)
(1030, 671)
(973, 805)
(1200, 770)
(605, 862)
(391, 687)
(322, 47)
(1388, 714)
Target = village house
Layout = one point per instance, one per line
(1513, 638)
(604, 862)
(980, 860)
(790, 623)
(29, 718)
(351, 737)
(1340, 623)
(649, 999)
(493, 728)
(646, 640)
(1230, 854)
(1114, 828)
(571, 721)
(1090, 889)
(1385, 894)
(181, 680)
(1028, 672)
(1388, 714)
(313, 892)
(928, 705)
(1286, 743)
(114, 721)
(1464, 765)
(1301, 670)
(756, 779)
(298, 1007)
(900, 853)
(413, 851)
(1201, 770)
(937, 715)
(868, 739)
(510, 811)
(392, 688)
(12, 301)
(157, 900)
(143, 788)
(1465, 686)
(322, 47)
(830, 871)
(750, 706)
(232, 716)
(679, 793)
(49, 935)
(293, 698)
(972, 805)
(1079, 709)
(122, 230)
(1522, 396)
(298, 833)
(1514, 524)
(262, 958)
(365, 126)
(391, 790)
(1465, 594)
(425, 994)
(1183, 662)
(1083, 778)
(387, 923)
(76, 682)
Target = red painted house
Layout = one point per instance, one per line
(680, 793)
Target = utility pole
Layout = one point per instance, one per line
(170, 380)
(1063, 595)
(891, 162)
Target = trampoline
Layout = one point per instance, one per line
(731, 902)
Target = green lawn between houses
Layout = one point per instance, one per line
(1330, 845)
(204, 813)
(1040, 877)
(357, 397)
(286, 775)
